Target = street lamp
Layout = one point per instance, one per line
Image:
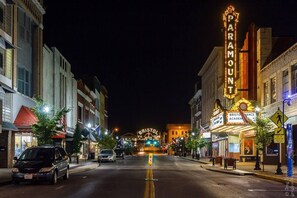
(114, 130)
(89, 139)
(183, 146)
(257, 165)
(288, 101)
(46, 109)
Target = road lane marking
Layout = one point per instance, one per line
(149, 191)
(267, 190)
(60, 187)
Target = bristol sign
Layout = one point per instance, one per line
(148, 134)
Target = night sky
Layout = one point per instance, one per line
(148, 53)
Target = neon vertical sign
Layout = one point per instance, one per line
(230, 18)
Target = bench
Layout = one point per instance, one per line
(217, 160)
(229, 162)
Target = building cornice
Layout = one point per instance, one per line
(84, 95)
(210, 59)
(39, 6)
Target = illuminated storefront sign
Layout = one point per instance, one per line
(235, 117)
(206, 135)
(230, 18)
(217, 121)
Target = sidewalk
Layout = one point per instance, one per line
(247, 168)
(5, 173)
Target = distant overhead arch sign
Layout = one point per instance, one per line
(148, 134)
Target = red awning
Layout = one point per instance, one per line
(60, 135)
(25, 118)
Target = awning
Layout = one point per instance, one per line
(7, 89)
(59, 135)
(92, 138)
(233, 128)
(85, 132)
(5, 44)
(8, 126)
(25, 118)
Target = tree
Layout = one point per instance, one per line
(264, 134)
(46, 126)
(107, 142)
(195, 141)
(77, 140)
(128, 147)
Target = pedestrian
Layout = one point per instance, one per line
(99, 162)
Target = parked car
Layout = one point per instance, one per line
(107, 155)
(42, 163)
(119, 153)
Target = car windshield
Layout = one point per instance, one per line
(42, 154)
(106, 152)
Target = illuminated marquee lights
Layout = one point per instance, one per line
(230, 18)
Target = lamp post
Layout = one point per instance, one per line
(114, 130)
(279, 164)
(89, 141)
(193, 148)
(257, 165)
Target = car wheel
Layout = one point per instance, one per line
(66, 176)
(54, 178)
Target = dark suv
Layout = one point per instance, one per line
(42, 163)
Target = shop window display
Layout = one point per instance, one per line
(22, 142)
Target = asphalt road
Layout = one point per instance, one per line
(168, 177)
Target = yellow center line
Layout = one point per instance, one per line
(149, 191)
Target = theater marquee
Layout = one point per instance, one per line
(230, 18)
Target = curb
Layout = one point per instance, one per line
(226, 172)
(270, 177)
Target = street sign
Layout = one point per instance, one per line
(279, 139)
(279, 131)
(277, 118)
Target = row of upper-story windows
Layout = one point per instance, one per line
(289, 86)
(85, 115)
(24, 81)
(63, 63)
(179, 133)
(24, 25)
(6, 18)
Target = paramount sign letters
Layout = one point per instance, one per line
(230, 18)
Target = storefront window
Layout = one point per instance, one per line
(272, 149)
(248, 146)
(234, 148)
(22, 142)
